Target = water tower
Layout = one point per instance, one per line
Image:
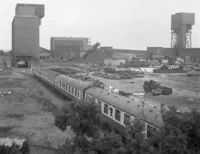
(181, 30)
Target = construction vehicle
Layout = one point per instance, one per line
(155, 88)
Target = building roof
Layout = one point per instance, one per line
(25, 4)
(39, 9)
(43, 50)
(130, 51)
(71, 38)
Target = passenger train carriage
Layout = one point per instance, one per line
(48, 76)
(117, 110)
(69, 86)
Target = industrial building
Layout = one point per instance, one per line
(119, 56)
(69, 47)
(25, 33)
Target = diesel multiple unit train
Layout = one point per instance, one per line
(117, 110)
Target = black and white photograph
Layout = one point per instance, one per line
(100, 77)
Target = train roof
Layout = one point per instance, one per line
(48, 72)
(135, 107)
(81, 85)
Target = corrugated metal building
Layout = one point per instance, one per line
(25, 33)
(68, 47)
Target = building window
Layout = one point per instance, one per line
(117, 115)
(151, 131)
(69, 89)
(105, 109)
(127, 119)
(66, 87)
(60, 83)
(111, 111)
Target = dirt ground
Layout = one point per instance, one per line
(29, 111)
(185, 95)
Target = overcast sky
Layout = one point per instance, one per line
(126, 24)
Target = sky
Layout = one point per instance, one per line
(124, 24)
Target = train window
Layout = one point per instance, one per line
(75, 92)
(99, 102)
(151, 131)
(105, 109)
(111, 111)
(127, 119)
(92, 99)
(78, 94)
(87, 97)
(72, 91)
(117, 115)
(63, 85)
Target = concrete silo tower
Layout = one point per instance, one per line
(25, 33)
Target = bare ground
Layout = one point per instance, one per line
(186, 90)
(29, 111)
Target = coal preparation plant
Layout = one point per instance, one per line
(69, 47)
(25, 34)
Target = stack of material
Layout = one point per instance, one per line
(119, 75)
(109, 70)
(147, 70)
(155, 88)
(122, 93)
(169, 69)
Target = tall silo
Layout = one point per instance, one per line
(25, 33)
